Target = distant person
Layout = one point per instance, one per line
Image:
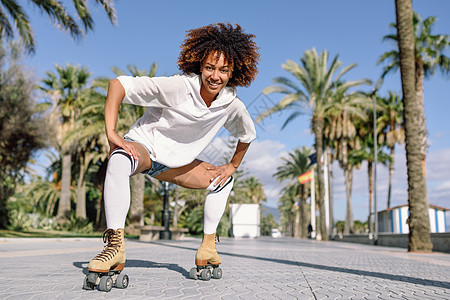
(184, 113)
(310, 230)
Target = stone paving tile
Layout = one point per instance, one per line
(252, 269)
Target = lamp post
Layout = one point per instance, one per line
(230, 207)
(165, 234)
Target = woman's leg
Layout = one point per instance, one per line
(121, 166)
(117, 202)
(197, 176)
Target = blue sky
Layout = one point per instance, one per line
(151, 31)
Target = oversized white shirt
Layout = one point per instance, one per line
(177, 125)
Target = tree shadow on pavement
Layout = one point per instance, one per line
(137, 263)
(402, 278)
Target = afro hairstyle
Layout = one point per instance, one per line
(238, 47)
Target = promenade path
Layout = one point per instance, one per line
(263, 268)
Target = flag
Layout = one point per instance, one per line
(313, 159)
(306, 177)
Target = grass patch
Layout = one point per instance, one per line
(39, 233)
(36, 233)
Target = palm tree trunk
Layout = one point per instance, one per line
(81, 191)
(369, 169)
(391, 174)
(63, 214)
(136, 213)
(348, 226)
(330, 194)
(419, 224)
(100, 218)
(297, 223)
(422, 120)
(318, 124)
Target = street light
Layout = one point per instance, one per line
(165, 234)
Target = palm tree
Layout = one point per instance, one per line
(13, 10)
(393, 130)
(366, 153)
(249, 190)
(295, 165)
(429, 56)
(92, 148)
(343, 118)
(419, 224)
(287, 207)
(65, 89)
(314, 96)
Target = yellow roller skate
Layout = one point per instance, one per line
(105, 269)
(207, 260)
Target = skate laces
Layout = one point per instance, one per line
(112, 248)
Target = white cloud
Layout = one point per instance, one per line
(261, 160)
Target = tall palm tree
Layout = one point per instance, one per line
(92, 147)
(366, 153)
(253, 190)
(418, 221)
(429, 56)
(296, 164)
(287, 207)
(347, 112)
(56, 11)
(393, 130)
(313, 97)
(65, 89)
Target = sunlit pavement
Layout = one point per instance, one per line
(262, 268)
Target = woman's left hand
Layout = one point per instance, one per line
(223, 172)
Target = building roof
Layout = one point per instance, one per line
(429, 205)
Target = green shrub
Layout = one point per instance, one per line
(19, 221)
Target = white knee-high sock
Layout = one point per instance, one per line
(215, 204)
(117, 188)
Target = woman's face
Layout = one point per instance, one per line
(215, 73)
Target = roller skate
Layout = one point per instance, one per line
(207, 260)
(105, 269)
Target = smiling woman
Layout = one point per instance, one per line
(184, 113)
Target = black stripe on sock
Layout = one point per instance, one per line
(219, 188)
(124, 153)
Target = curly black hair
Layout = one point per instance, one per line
(239, 49)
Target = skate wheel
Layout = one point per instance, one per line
(87, 285)
(217, 273)
(106, 284)
(193, 273)
(122, 281)
(92, 278)
(205, 275)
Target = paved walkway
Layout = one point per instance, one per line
(252, 269)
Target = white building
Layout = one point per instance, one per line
(245, 219)
(393, 220)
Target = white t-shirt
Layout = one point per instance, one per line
(177, 125)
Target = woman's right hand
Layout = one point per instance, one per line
(115, 141)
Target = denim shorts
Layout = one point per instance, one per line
(156, 167)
